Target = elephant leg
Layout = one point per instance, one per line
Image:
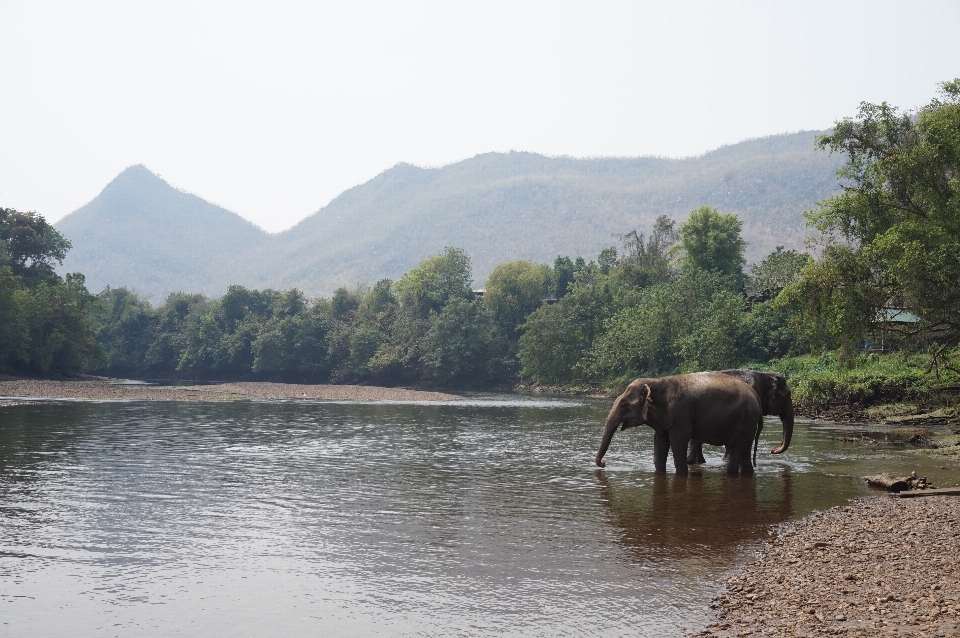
(746, 468)
(746, 464)
(678, 444)
(740, 454)
(726, 452)
(661, 446)
(695, 453)
(735, 458)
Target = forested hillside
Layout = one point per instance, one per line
(144, 234)
(521, 205)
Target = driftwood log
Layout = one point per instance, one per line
(898, 484)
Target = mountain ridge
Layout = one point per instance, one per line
(496, 206)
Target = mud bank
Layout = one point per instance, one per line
(881, 566)
(99, 389)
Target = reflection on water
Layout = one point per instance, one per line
(700, 516)
(478, 517)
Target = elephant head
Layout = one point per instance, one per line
(775, 399)
(629, 410)
(778, 400)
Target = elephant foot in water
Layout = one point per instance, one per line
(695, 453)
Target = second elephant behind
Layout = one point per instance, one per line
(776, 399)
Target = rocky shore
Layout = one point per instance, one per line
(99, 389)
(881, 566)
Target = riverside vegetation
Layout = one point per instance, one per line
(872, 320)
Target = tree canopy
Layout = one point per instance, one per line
(44, 319)
(711, 241)
(892, 236)
(32, 245)
(514, 290)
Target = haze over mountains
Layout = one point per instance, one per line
(142, 233)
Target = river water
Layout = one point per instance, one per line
(473, 518)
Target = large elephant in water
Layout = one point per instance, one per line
(775, 399)
(707, 406)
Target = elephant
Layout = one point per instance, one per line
(707, 406)
(775, 399)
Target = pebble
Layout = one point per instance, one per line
(880, 566)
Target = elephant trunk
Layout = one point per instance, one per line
(613, 420)
(786, 417)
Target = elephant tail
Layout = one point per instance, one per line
(756, 441)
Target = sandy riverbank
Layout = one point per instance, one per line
(881, 566)
(110, 389)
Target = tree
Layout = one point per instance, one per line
(57, 319)
(456, 348)
(554, 339)
(437, 280)
(692, 323)
(293, 346)
(778, 270)
(14, 338)
(562, 276)
(124, 324)
(607, 260)
(896, 224)
(711, 241)
(646, 260)
(768, 332)
(177, 313)
(240, 303)
(513, 291)
(45, 324)
(32, 245)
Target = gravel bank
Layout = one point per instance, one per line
(881, 566)
(105, 389)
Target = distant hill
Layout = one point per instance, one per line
(143, 233)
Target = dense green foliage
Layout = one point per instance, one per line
(892, 237)
(44, 319)
(897, 377)
(427, 327)
(711, 242)
(649, 316)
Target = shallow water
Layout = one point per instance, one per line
(473, 518)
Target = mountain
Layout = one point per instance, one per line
(496, 206)
(500, 207)
(142, 233)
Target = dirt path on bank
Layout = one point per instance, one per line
(881, 566)
(97, 389)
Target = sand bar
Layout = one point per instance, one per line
(99, 389)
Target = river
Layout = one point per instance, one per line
(480, 517)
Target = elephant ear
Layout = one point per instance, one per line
(636, 399)
(645, 393)
(780, 388)
(774, 389)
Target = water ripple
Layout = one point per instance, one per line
(483, 516)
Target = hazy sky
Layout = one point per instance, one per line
(272, 109)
